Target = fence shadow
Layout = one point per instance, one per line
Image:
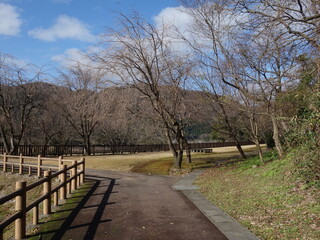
(61, 221)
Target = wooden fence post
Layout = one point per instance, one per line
(21, 165)
(35, 220)
(5, 159)
(74, 174)
(39, 166)
(60, 167)
(69, 187)
(60, 162)
(55, 198)
(47, 190)
(82, 169)
(20, 223)
(63, 189)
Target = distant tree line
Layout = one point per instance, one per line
(248, 69)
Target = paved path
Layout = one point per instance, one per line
(134, 206)
(226, 224)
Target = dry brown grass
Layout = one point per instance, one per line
(123, 162)
(7, 185)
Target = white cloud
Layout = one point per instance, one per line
(65, 27)
(175, 22)
(176, 17)
(10, 21)
(74, 56)
(12, 61)
(69, 57)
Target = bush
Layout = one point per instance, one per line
(305, 138)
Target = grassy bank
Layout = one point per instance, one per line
(266, 198)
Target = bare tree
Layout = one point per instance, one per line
(140, 56)
(224, 117)
(80, 104)
(223, 47)
(48, 126)
(19, 97)
(210, 36)
(263, 70)
(300, 19)
(252, 114)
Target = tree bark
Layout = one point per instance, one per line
(87, 145)
(177, 158)
(243, 155)
(276, 136)
(257, 143)
(187, 148)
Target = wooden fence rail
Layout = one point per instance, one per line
(58, 150)
(67, 185)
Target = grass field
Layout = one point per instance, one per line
(157, 162)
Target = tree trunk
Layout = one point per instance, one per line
(276, 136)
(4, 140)
(87, 144)
(177, 158)
(12, 146)
(256, 142)
(255, 135)
(188, 150)
(180, 146)
(243, 155)
(178, 161)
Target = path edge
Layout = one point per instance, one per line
(231, 228)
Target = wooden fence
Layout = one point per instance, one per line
(59, 150)
(69, 177)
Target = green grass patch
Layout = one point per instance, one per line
(160, 167)
(266, 198)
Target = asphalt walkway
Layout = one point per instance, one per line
(135, 206)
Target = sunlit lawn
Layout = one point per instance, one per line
(266, 198)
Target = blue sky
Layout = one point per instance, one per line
(42, 32)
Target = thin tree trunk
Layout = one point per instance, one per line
(276, 136)
(243, 155)
(188, 150)
(178, 162)
(256, 142)
(5, 140)
(175, 154)
(12, 146)
(87, 144)
(255, 135)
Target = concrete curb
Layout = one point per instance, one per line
(226, 224)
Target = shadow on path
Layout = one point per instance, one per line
(63, 220)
